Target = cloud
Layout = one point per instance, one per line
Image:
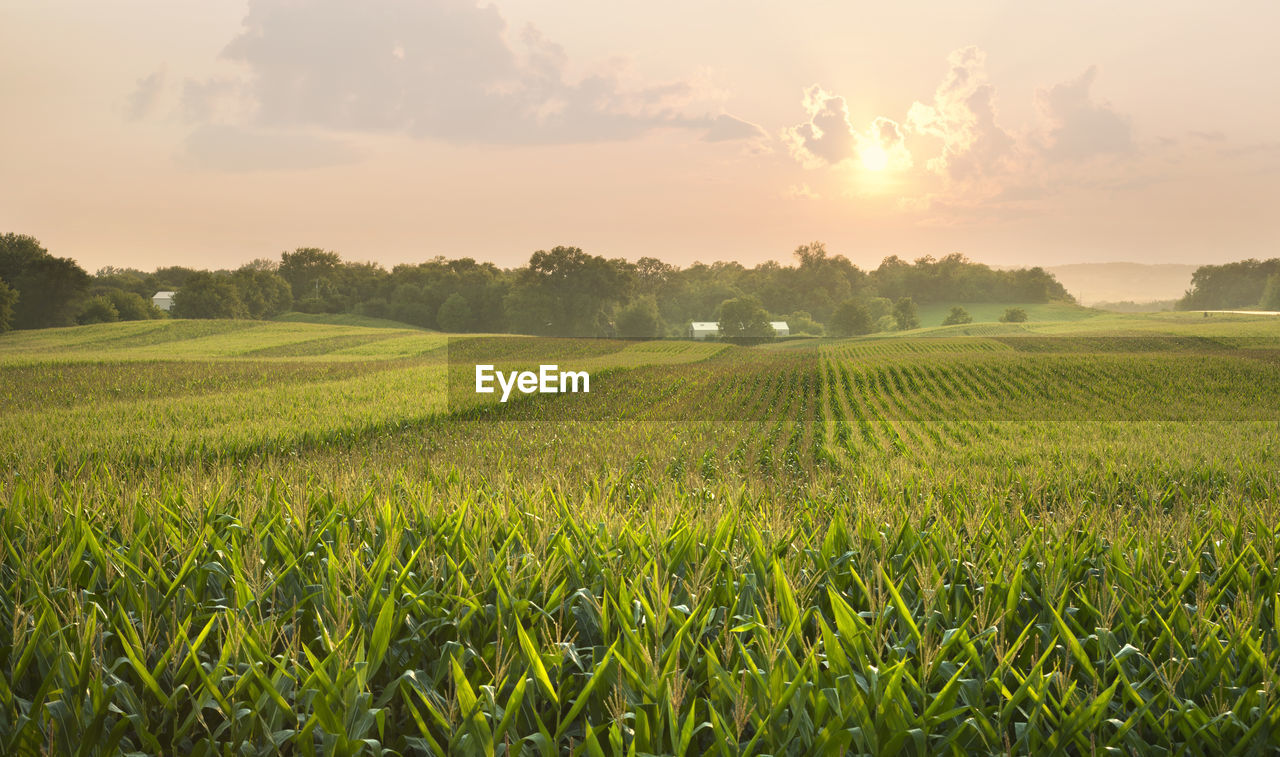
(826, 138)
(1078, 126)
(963, 116)
(441, 69)
(726, 128)
(145, 96)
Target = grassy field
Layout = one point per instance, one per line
(245, 537)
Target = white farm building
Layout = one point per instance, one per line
(163, 300)
(704, 329)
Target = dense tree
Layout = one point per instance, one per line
(852, 318)
(98, 309)
(905, 314)
(566, 292)
(264, 292)
(800, 323)
(208, 295)
(1271, 293)
(454, 314)
(50, 289)
(131, 306)
(640, 318)
(8, 298)
(308, 270)
(744, 318)
(1229, 286)
(957, 316)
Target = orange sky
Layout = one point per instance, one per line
(208, 134)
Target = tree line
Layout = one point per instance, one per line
(563, 291)
(1243, 284)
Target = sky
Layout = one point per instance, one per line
(211, 132)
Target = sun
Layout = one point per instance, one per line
(874, 158)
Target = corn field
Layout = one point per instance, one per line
(286, 538)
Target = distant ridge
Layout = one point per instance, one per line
(1091, 283)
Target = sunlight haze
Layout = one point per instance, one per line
(208, 134)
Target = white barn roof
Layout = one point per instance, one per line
(705, 326)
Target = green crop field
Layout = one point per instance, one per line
(238, 537)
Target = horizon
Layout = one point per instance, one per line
(184, 134)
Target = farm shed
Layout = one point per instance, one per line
(780, 328)
(163, 300)
(703, 329)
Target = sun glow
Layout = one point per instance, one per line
(874, 158)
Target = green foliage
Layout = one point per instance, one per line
(640, 318)
(131, 306)
(263, 292)
(1014, 315)
(1229, 286)
(958, 315)
(310, 272)
(802, 324)
(207, 295)
(299, 553)
(1271, 293)
(98, 309)
(50, 289)
(852, 318)
(455, 314)
(567, 292)
(905, 314)
(744, 318)
(8, 297)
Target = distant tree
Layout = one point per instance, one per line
(50, 289)
(1014, 315)
(567, 292)
(1271, 293)
(454, 314)
(957, 316)
(879, 307)
(1231, 285)
(8, 297)
(98, 309)
(744, 318)
(305, 267)
(852, 318)
(640, 318)
(172, 277)
(263, 291)
(905, 314)
(801, 323)
(885, 323)
(131, 306)
(206, 295)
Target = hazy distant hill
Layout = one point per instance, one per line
(1116, 282)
